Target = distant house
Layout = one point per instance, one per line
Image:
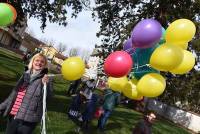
(22, 42)
(30, 43)
(53, 54)
(11, 37)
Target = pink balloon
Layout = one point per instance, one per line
(118, 64)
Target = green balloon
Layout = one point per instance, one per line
(141, 58)
(162, 39)
(6, 14)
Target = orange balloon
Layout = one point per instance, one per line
(14, 11)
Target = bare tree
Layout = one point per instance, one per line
(85, 54)
(74, 51)
(61, 47)
(48, 42)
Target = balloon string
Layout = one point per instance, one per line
(54, 75)
(148, 65)
(128, 50)
(142, 71)
(44, 109)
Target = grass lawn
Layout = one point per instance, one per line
(121, 121)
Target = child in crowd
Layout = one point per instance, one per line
(110, 101)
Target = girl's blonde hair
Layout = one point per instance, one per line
(30, 65)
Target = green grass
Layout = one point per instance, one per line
(121, 121)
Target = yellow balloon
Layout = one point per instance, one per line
(73, 68)
(117, 84)
(182, 45)
(180, 31)
(166, 57)
(186, 65)
(134, 81)
(131, 92)
(151, 85)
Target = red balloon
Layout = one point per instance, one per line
(118, 64)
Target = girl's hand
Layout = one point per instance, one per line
(45, 79)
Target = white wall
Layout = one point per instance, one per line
(181, 117)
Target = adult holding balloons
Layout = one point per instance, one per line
(73, 68)
(118, 64)
(8, 14)
(146, 33)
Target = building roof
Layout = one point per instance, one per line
(14, 35)
(37, 42)
(60, 56)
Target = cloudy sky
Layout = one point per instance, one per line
(80, 32)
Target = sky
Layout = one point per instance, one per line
(80, 32)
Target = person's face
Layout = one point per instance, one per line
(151, 117)
(39, 63)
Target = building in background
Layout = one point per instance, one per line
(12, 36)
(30, 43)
(53, 54)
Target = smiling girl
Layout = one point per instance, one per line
(24, 105)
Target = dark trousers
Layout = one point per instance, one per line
(15, 126)
(103, 119)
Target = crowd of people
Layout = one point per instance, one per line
(24, 105)
(87, 105)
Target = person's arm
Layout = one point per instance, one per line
(12, 94)
(4, 104)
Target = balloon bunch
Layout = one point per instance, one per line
(151, 49)
(173, 56)
(8, 14)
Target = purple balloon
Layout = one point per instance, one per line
(146, 33)
(128, 46)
